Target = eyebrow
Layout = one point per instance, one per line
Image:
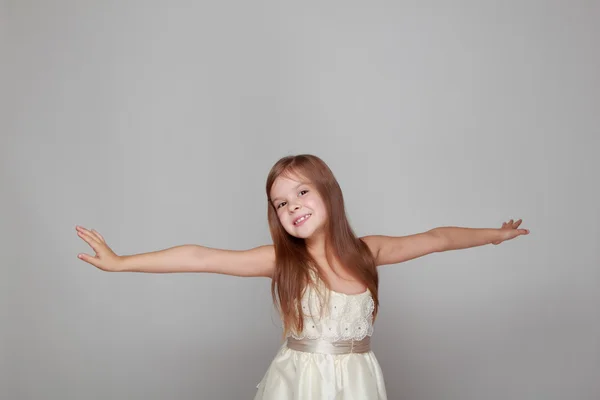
(301, 183)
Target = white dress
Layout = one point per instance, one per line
(297, 375)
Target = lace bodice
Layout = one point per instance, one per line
(344, 316)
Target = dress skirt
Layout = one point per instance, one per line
(298, 375)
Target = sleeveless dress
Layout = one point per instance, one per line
(298, 375)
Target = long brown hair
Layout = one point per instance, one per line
(294, 264)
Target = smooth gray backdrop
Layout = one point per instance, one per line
(156, 123)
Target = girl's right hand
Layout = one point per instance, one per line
(105, 259)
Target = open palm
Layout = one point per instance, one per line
(510, 230)
(104, 259)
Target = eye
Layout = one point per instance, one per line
(283, 202)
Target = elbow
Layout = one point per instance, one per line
(441, 241)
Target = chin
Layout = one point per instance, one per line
(308, 233)
(300, 235)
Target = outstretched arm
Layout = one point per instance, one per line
(456, 238)
(396, 249)
(259, 261)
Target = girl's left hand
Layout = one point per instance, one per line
(509, 231)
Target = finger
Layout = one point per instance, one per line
(81, 229)
(517, 223)
(85, 234)
(98, 236)
(94, 235)
(87, 258)
(101, 237)
(503, 225)
(510, 223)
(89, 240)
(512, 234)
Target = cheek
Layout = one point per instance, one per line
(282, 219)
(320, 207)
(323, 213)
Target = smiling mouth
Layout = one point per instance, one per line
(300, 220)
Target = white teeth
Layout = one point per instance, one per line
(302, 219)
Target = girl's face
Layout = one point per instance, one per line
(299, 207)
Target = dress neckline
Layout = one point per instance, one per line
(321, 282)
(350, 294)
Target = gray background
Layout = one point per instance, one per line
(156, 123)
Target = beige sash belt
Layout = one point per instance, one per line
(323, 347)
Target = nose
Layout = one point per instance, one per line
(294, 207)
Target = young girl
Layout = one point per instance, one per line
(324, 280)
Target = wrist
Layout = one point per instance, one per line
(119, 265)
(499, 236)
